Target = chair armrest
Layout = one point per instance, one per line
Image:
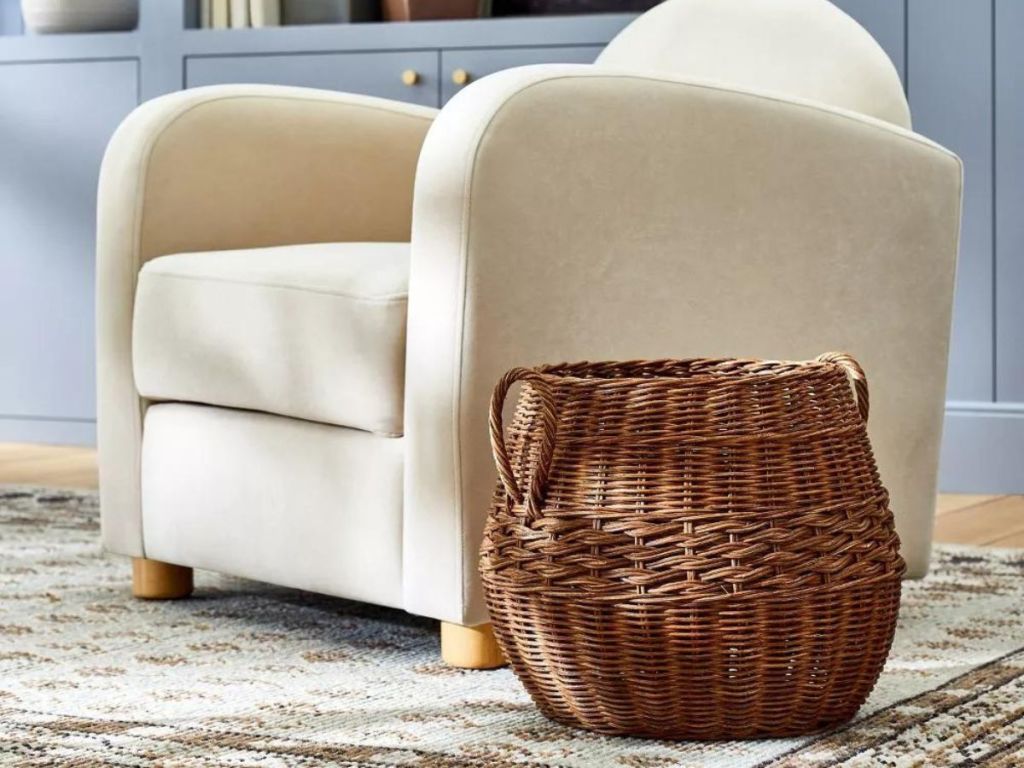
(575, 213)
(231, 167)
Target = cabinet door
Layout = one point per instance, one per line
(950, 84)
(55, 122)
(403, 75)
(461, 67)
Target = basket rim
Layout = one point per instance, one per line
(718, 370)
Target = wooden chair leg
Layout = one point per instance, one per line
(153, 580)
(470, 647)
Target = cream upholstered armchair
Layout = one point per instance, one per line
(291, 391)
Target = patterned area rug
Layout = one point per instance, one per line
(250, 675)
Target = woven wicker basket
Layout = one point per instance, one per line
(703, 548)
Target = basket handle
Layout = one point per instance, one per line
(539, 481)
(856, 374)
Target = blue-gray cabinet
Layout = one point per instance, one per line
(1009, 193)
(55, 121)
(383, 74)
(983, 117)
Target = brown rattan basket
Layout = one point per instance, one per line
(695, 549)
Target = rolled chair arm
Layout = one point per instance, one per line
(222, 168)
(567, 213)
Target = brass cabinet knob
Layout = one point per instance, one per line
(460, 77)
(410, 77)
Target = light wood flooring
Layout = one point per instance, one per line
(961, 518)
(53, 466)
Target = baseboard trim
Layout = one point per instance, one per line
(982, 448)
(43, 429)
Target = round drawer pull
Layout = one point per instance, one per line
(410, 77)
(460, 77)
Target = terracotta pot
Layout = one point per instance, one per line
(417, 10)
(58, 16)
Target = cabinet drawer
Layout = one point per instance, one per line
(373, 74)
(477, 63)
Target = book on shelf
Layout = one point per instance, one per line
(265, 13)
(220, 14)
(239, 14)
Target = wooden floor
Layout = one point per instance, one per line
(994, 520)
(964, 519)
(54, 466)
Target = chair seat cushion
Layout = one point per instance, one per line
(315, 332)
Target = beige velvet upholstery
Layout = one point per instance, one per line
(559, 213)
(804, 48)
(315, 332)
(281, 500)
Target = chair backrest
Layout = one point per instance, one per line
(804, 48)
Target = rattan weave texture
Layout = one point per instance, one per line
(692, 548)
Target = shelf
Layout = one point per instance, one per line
(509, 31)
